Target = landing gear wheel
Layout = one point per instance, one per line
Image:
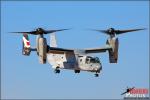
(77, 71)
(96, 75)
(44, 60)
(57, 70)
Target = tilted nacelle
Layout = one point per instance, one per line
(113, 53)
(42, 50)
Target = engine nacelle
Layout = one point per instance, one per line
(42, 46)
(26, 45)
(113, 53)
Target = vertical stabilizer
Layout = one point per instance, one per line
(53, 42)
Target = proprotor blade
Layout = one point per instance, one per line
(52, 31)
(102, 31)
(19, 32)
(130, 30)
(113, 32)
(31, 32)
(41, 31)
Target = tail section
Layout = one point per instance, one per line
(53, 42)
(26, 49)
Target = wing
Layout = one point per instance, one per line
(56, 50)
(98, 50)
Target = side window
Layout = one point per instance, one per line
(80, 60)
(87, 60)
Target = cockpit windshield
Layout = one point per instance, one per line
(92, 60)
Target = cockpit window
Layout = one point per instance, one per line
(87, 60)
(80, 60)
(97, 60)
(92, 60)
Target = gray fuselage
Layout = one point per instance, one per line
(74, 61)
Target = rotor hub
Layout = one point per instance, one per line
(39, 31)
(111, 31)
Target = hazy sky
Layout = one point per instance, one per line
(23, 77)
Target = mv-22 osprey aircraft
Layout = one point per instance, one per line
(73, 59)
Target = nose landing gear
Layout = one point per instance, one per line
(96, 75)
(77, 71)
(57, 70)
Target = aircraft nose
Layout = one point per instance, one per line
(99, 68)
